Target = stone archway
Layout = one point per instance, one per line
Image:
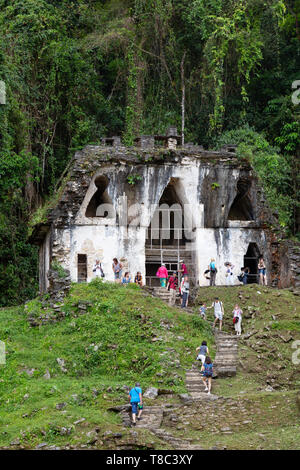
(100, 204)
(169, 232)
(251, 262)
(241, 208)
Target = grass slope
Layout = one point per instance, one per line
(125, 336)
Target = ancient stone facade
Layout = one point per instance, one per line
(112, 195)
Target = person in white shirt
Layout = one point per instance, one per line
(237, 314)
(97, 269)
(229, 274)
(217, 305)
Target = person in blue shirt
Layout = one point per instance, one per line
(136, 401)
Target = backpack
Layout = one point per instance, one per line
(208, 370)
(235, 320)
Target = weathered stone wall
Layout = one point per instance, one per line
(205, 181)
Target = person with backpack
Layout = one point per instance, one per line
(218, 307)
(162, 274)
(243, 277)
(237, 319)
(213, 272)
(97, 269)
(185, 290)
(207, 373)
(136, 400)
(203, 352)
(172, 287)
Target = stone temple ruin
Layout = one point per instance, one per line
(158, 202)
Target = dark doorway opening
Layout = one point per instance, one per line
(241, 208)
(251, 262)
(81, 268)
(101, 204)
(167, 235)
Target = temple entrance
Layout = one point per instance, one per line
(167, 235)
(81, 268)
(251, 262)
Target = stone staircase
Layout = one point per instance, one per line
(151, 418)
(195, 385)
(225, 363)
(176, 442)
(162, 292)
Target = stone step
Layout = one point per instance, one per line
(203, 396)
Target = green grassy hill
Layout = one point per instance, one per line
(62, 376)
(124, 336)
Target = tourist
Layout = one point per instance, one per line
(126, 278)
(213, 271)
(237, 319)
(206, 275)
(207, 371)
(203, 352)
(243, 277)
(117, 269)
(162, 274)
(97, 269)
(138, 279)
(218, 312)
(136, 401)
(183, 269)
(202, 310)
(185, 290)
(229, 274)
(262, 271)
(172, 286)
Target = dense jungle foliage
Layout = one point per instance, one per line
(77, 70)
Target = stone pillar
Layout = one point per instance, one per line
(172, 143)
(146, 141)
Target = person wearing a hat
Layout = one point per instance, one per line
(97, 269)
(162, 274)
(229, 273)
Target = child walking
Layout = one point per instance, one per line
(202, 310)
(207, 370)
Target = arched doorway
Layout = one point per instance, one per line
(251, 262)
(100, 204)
(241, 208)
(168, 234)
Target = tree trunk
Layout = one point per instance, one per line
(182, 98)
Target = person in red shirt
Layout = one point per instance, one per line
(172, 286)
(183, 269)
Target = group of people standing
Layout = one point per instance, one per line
(243, 277)
(117, 268)
(180, 280)
(218, 307)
